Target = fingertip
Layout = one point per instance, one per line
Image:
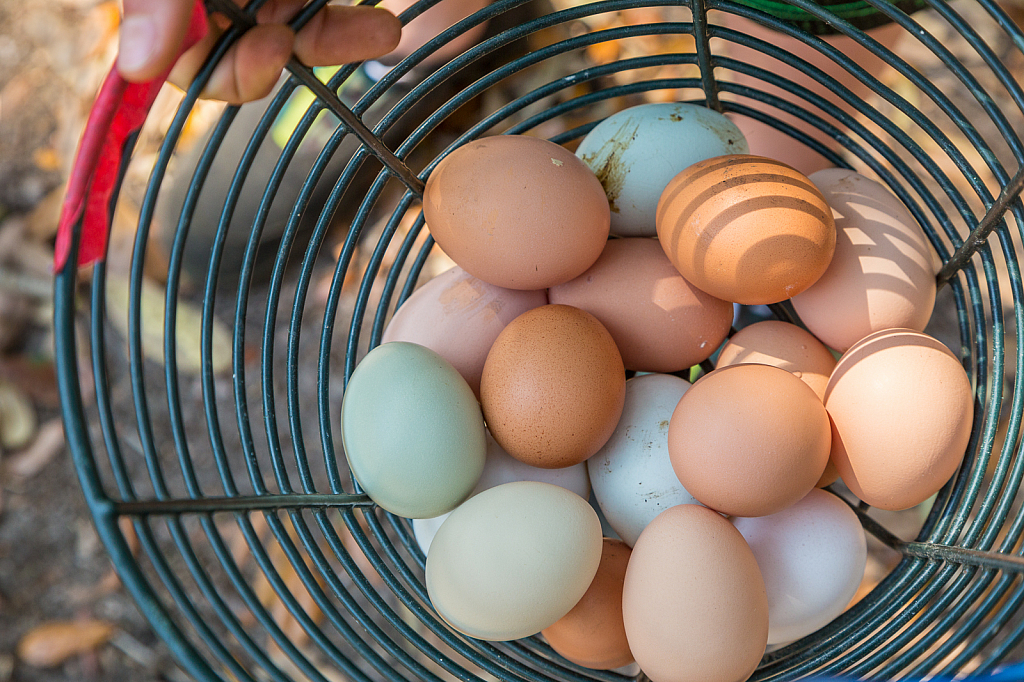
(340, 34)
(150, 36)
(253, 66)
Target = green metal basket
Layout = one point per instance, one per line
(236, 486)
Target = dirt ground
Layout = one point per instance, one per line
(63, 612)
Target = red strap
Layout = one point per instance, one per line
(117, 114)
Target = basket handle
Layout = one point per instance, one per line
(110, 133)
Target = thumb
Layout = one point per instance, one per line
(150, 37)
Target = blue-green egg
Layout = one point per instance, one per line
(412, 430)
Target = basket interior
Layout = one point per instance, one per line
(203, 372)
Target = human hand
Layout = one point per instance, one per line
(152, 32)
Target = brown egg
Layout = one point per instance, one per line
(746, 229)
(592, 634)
(660, 322)
(902, 410)
(782, 345)
(516, 211)
(553, 387)
(693, 602)
(749, 440)
(458, 317)
(881, 276)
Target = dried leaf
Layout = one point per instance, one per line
(48, 443)
(189, 322)
(52, 643)
(18, 424)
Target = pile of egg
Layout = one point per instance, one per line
(499, 400)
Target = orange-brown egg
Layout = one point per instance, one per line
(749, 440)
(660, 322)
(592, 634)
(694, 602)
(902, 410)
(746, 228)
(516, 211)
(553, 386)
(795, 350)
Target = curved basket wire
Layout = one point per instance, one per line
(259, 558)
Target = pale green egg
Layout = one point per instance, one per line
(412, 430)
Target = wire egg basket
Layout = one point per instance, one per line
(222, 493)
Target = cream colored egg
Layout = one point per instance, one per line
(513, 560)
(501, 467)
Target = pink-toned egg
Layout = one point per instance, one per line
(902, 409)
(458, 317)
(882, 275)
(693, 602)
(660, 322)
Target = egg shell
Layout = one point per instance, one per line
(632, 474)
(812, 557)
(592, 633)
(553, 386)
(746, 228)
(693, 601)
(501, 467)
(902, 409)
(882, 275)
(459, 316)
(784, 345)
(635, 152)
(512, 560)
(516, 211)
(791, 348)
(412, 431)
(660, 322)
(749, 440)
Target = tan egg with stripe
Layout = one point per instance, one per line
(746, 229)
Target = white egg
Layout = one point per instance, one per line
(501, 467)
(632, 474)
(812, 557)
(635, 153)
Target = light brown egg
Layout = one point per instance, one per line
(458, 316)
(782, 345)
(693, 602)
(902, 409)
(749, 440)
(553, 386)
(660, 322)
(746, 228)
(516, 211)
(881, 276)
(592, 634)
